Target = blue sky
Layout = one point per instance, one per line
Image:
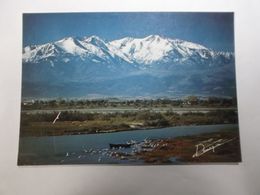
(213, 30)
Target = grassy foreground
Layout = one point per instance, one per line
(74, 122)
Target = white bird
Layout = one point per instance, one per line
(57, 117)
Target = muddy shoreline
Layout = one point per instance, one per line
(182, 149)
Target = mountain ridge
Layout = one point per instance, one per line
(129, 66)
(88, 45)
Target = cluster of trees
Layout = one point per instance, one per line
(189, 101)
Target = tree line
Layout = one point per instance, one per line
(139, 103)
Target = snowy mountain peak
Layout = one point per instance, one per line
(95, 40)
(144, 50)
(153, 38)
(66, 39)
(70, 45)
(93, 37)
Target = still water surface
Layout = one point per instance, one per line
(94, 148)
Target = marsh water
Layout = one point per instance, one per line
(95, 148)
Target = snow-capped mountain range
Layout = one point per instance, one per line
(150, 49)
(159, 61)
